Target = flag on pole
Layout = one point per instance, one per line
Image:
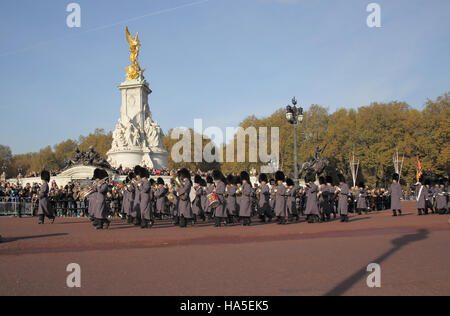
(419, 169)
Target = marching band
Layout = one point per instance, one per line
(232, 199)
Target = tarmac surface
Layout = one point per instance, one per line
(296, 259)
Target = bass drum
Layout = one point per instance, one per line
(213, 200)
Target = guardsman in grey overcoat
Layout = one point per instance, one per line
(396, 193)
(45, 209)
(128, 197)
(273, 186)
(238, 181)
(197, 209)
(420, 196)
(441, 198)
(264, 209)
(145, 203)
(361, 195)
(343, 199)
(203, 199)
(428, 195)
(280, 201)
(160, 196)
(209, 211)
(174, 204)
(321, 199)
(312, 206)
(184, 203)
(98, 200)
(136, 210)
(220, 213)
(246, 199)
(231, 199)
(328, 195)
(291, 204)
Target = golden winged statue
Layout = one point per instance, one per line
(134, 71)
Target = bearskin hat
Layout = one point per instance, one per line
(209, 179)
(310, 177)
(184, 174)
(144, 173)
(279, 176)
(289, 182)
(245, 176)
(129, 177)
(45, 175)
(322, 180)
(329, 179)
(217, 175)
(152, 182)
(361, 185)
(272, 181)
(230, 179)
(198, 179)
(238, 180)
(262, 178)
(341, 178)
(395, 177)
(137, 170)
(203, 183)
(100, 174)
(427, 181)
(160, 181)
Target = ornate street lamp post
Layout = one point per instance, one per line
(294, 116)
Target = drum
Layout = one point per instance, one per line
(213, 200)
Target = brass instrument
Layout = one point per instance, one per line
(176, 183)
(239, 191)
(273, 195)
(89, 189)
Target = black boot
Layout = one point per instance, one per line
(217, 221)
(41, 220)
(99, 224)
(399, 212)
(420, 212)
(107, 223)
(395, 213)
(176, 220)
(183, 222)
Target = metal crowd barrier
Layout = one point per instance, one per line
(17, 209)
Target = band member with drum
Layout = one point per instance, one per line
(197, 209)
(396, 193)
(245, 208)
(291, 204)
(343, 192)
(44, 208)
(263, 191)
(145, 203)
(311, 191)
(441, 199)
(128, 197)
(184, 203)
(231, 199)
(220, 213)
(280, 201)
(160, 196)
(98, 199)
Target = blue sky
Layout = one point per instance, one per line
(219, 60)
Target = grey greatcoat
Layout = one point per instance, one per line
(220, 210)
(441, 199)
(396, 194)
(245, 208)
(231, 200)
(420, 196)
(209, 189)
(128, 199)
(197, 203)
(136, 210)
(44, 204)
(291, 205)
(160, 196)
(98, 201)
(343, 199)
(263, 203)
(145, 203)
(204, 200)
(361, 199)
(174, 205)
(311, 199)
(280, 203)
(184, 206)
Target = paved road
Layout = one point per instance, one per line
(297, 259)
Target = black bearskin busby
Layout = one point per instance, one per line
(230, 179)
(160, 181)
(289, 182)
(310, 177)
(395, 177)
(361, 185)
(329, 179)
(144, 173)
(45, 175)
(262, 178)
(152, 182)
(209, 179)
(341, 178)
(203, 183)
(129, 177)
(137, 170)
(245, 176)
(217, 175)
(198, 179)
(322, 180)
(238, 180)
(100, 174)
(184, 174)
(279, 176)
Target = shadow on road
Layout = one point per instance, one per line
(398, 244)
(12, 239)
